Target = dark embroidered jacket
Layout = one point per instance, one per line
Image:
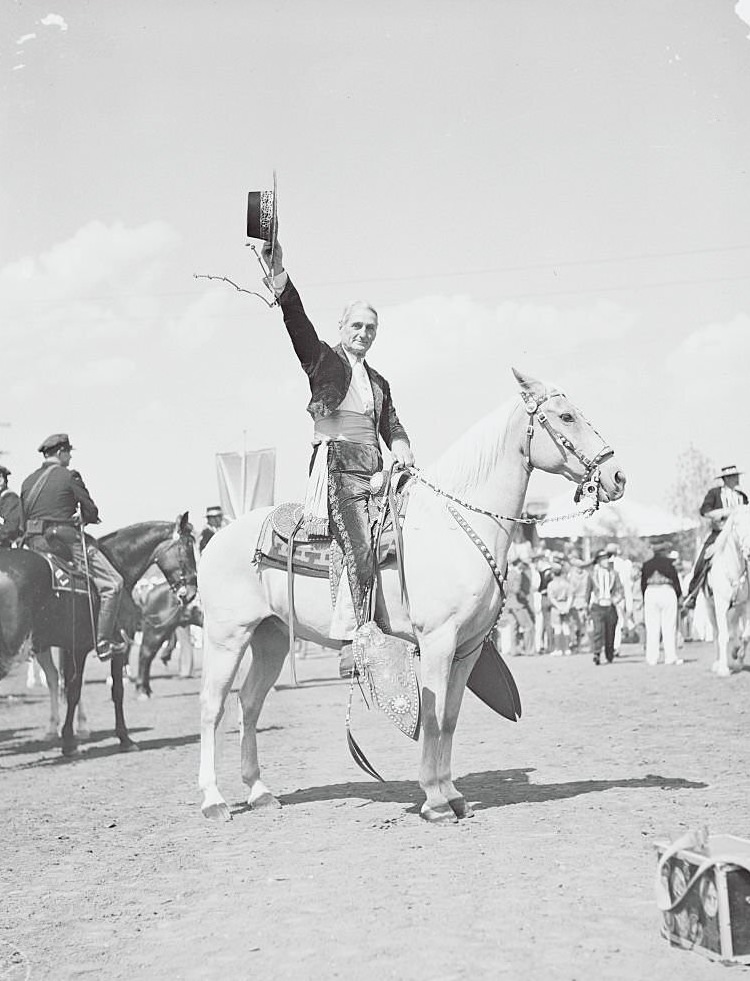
(665, 567)
(329, 372)
(712, 500)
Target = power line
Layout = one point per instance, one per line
(448, 274)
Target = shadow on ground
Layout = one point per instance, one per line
(489, 789)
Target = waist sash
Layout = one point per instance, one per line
(351, 427)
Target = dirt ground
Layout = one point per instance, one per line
(111, 872)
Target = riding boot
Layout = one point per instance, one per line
(106, 645)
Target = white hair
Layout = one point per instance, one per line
(346, 313)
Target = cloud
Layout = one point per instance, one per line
(54, 20)
(89, 296)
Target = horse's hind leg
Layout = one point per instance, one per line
(270, 643)
(222, 653)
(459, 675)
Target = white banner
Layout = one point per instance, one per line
(246, 481)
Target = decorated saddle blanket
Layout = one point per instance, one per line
(66, 578)
(313, 556)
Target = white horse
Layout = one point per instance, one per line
(727, 592)
(454, 595)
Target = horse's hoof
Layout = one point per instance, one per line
(721, 670)
(128, 746)
(461, 807)
(143, 696)
(217, 812)
(266, 800)
(69, 751)
(442, 814)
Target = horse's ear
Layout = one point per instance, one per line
(183, 523)
(530, 386)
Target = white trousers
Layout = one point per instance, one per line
(660, 616)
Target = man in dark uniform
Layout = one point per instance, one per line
(55, 505)
(10, 512)
(351, 406)
(214, 520)
(717, 505)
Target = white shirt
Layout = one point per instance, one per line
(359, 397)
(730, 498)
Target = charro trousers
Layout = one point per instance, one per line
(350, 466)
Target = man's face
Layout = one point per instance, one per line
(732, 481)
(358, 330)
(64, 457)
(214, 520)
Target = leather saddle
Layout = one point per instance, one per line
(313, 555)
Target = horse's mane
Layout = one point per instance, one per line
(135, 530)
(470, 460)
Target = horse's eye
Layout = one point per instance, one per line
(566, 417)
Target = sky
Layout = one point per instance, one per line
(556, 185)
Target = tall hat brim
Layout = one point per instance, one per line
(262, 214)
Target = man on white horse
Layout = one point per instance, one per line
(717, 505)
(351, 406)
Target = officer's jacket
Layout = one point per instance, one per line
(330, 373)
(10, 518)
(62, 491)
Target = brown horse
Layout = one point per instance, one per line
(34, 616)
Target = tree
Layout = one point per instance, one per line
(695, 474)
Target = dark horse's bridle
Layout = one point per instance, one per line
(178, 580)
(589, 484)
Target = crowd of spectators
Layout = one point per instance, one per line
(559, 603)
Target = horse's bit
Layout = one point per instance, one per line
(589, 485)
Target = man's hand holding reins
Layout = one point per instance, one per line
(402, 453)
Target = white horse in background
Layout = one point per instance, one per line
(727, 592)
(454, 595)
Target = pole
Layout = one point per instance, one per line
(243, 504)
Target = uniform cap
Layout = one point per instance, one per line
(54, 442)
(215, 511)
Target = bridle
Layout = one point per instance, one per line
(589, 484)
(177, 580)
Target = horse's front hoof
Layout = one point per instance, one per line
(217, 812)
(70, 750)
(720, 670)
(461, 807)
(442, 814)
(143, 696)
(128, 746)
(266, 800)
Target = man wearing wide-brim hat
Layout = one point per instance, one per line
(606, 592)
(717, 505)
(214, 521)
(56, 505)
(10, 511)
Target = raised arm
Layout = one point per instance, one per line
(307, 345)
